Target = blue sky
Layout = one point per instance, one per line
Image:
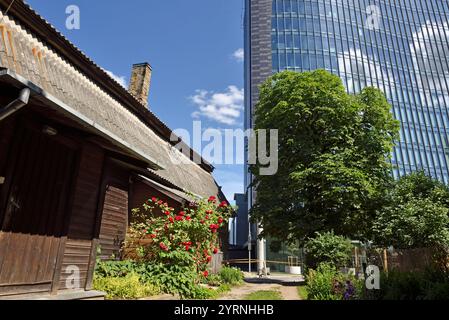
(193, 47)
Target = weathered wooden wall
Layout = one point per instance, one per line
(79, 250)
(34, 211)
(114, 222)
(6, 133)
(115, 212)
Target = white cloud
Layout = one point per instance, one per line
(223, 107)
(120, 79)
(239, 55)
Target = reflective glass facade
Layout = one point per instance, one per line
(399, 46)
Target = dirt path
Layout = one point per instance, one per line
(290, 293)
(240, 292)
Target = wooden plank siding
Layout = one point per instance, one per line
(114, 222)
(115, 211)
(86, 193)
(141, 193)
(34, 211)
(81, 231)
(77, 253)
(6, 133)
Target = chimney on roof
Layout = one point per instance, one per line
(139, 86)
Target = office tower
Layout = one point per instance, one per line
(398, 46)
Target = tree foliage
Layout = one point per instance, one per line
(417, 215)
(333, 156)
(328, 248)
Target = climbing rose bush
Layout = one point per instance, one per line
(187, 238)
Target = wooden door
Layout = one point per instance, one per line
(33, 209)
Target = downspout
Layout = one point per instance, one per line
(16, 105)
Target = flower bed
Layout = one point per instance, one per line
(173, 251)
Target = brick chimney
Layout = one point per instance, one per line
(139, 86)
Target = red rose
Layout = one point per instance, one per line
(209, 258)
(220, 220)
(159, 202)
(212, 199)
(215, 251)
(182, 213)
(163, 246)
(223, 204)
(188, 218)
(167, 213)
(179, 218)
(187, 247)
(154, 199)
(153, 236)
(171, 219)
(206, 273)
(207, 218)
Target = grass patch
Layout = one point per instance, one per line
(302, 292)
(219, 291)
(264, 295)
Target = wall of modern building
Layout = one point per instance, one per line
(398, 46)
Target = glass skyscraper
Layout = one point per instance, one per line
(398, 46)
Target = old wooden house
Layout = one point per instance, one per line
(77, 152)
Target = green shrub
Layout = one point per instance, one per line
(437, 291)
(427, 285)
(328, 248)
(174, 279)
(126, 287)
(319, 283)
(116, 268)
(327, 283)
(178, 237)
(214, 280)
(416, 214)
(171, 279)
(401, 286)
(302, 292)
(232, 276)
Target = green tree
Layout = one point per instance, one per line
(333, 156)
(417, 215)
(328, 248)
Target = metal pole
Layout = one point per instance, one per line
(249, 247)
(261, 260)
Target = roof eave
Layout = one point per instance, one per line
(83, 121)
